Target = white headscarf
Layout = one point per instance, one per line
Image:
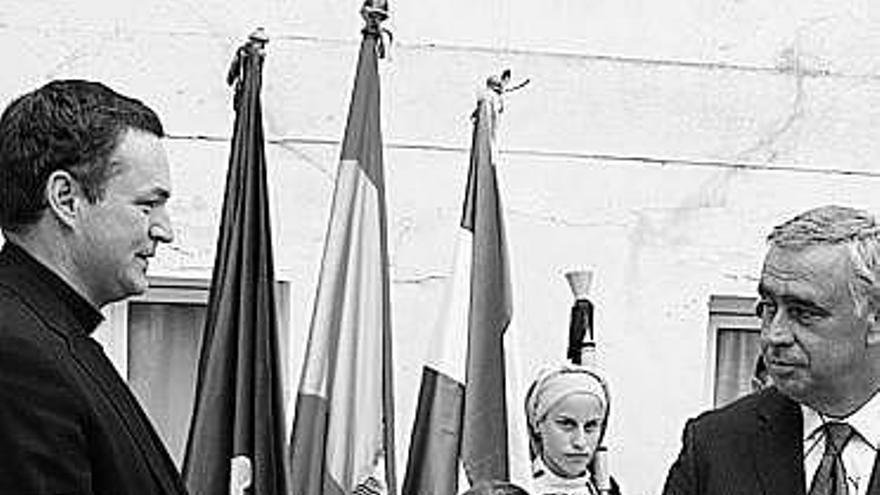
(554, 384)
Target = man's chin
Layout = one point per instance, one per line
(129, 291)
(139, 289)
(135, 286)
(790, 387)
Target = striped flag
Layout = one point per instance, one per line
(342, 440)
(462, 408)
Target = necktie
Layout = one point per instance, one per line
(830, 477)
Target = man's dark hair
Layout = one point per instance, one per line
(70, 125)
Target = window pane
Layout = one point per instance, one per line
(163, 353)
(735, 355)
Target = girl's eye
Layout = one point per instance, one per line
(591, 426)
(565, 424)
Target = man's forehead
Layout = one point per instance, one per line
(818, 258)
(143, 155)
(813, 272)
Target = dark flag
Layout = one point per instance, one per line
(236, 438)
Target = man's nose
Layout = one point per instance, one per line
(777, 329)
(160, 226)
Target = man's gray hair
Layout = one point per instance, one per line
(856, 229)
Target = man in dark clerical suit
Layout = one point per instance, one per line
(816, 429)
(84, 180)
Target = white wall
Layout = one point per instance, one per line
(657, 143)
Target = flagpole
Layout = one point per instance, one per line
(235, 437)
(461, 420)
(374, 12)
(342, 439)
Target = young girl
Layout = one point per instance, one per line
(567, 414)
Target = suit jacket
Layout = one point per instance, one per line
(753, 446)
(68, 422)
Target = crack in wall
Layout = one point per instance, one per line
(790, 61)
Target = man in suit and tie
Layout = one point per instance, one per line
(84, 180)
(816, 429)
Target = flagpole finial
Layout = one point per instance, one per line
(497, 85)
(375, 11)
(500, 84)
(254, 49)
(259, 36)
(258, 40)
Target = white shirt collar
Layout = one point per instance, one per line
(546, 481)
(865, 421)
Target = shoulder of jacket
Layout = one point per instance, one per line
(22, 325)
(736, 418)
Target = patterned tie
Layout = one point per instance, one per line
(830, 478)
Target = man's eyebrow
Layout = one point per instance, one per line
(790, 299)
(799, 301)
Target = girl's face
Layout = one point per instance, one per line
(570, 434)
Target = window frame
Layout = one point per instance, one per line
(727, 312)
(113, 332)
(169, 289)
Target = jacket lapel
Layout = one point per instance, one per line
(779, 455)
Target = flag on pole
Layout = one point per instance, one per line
(462, 409)
(342, 440)
(236, 434)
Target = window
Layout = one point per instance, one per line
(733, 333)
(154, 340)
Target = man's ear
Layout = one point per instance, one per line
(63, 194)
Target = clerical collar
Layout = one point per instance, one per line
(85, 313)
(865, 420)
